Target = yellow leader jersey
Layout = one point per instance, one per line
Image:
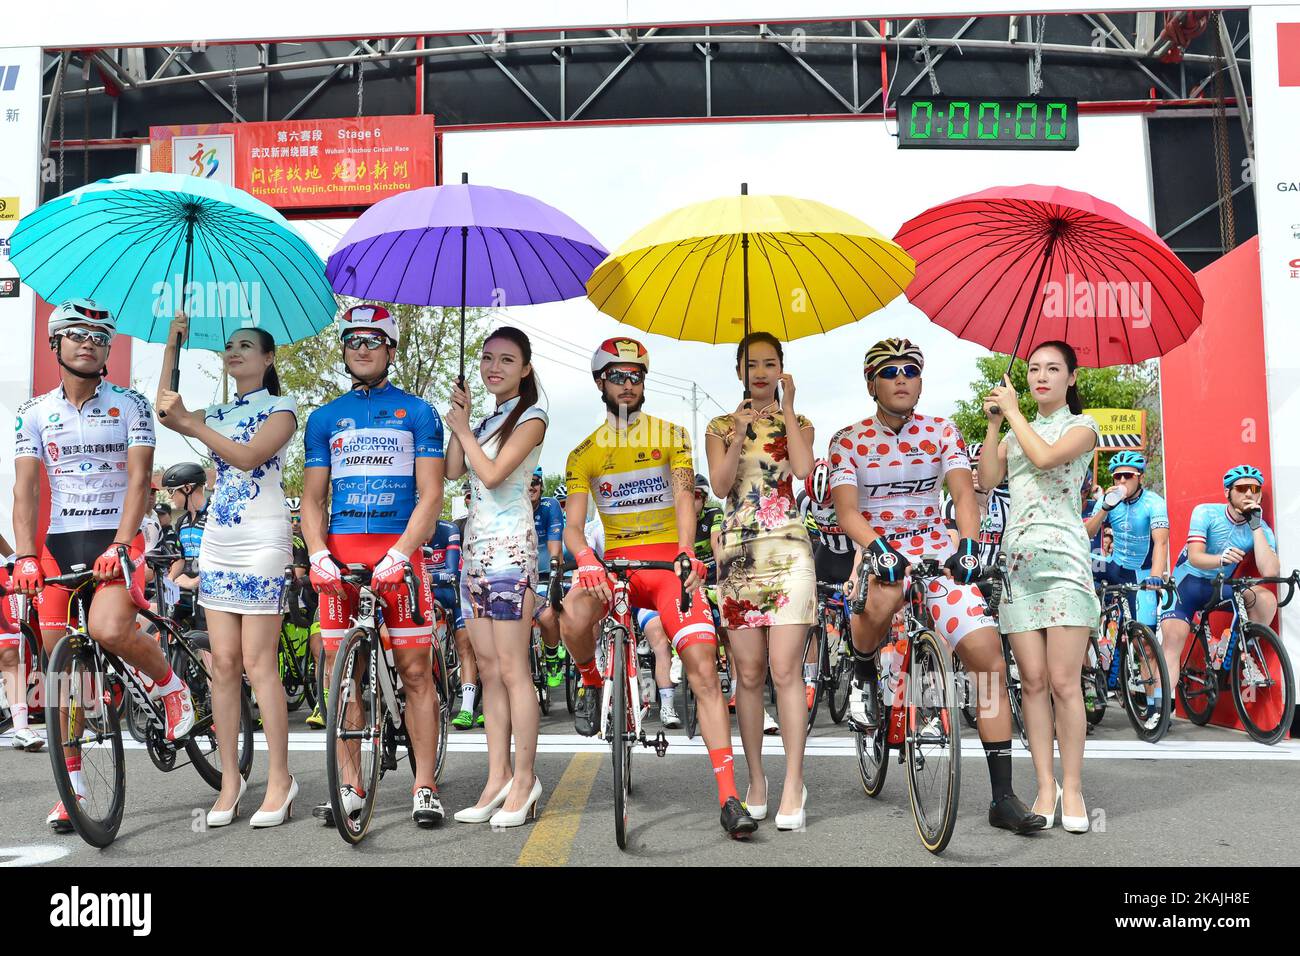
(628, 471)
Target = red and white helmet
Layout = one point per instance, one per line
(367, 316)
(818, 482)
(621, 351)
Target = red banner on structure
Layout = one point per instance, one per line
(296, 164)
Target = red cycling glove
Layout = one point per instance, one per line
(591, 573)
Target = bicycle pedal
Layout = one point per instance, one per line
(660, 744)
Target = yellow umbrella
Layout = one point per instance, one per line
(714, 271)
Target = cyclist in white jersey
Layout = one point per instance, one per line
(886, 472)
(96, 442)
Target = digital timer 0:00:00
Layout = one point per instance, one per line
(988, 123)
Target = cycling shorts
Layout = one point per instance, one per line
(399, 630)
(832, 568)
(449, 598)
(955, 609)
(11, 614)
(60, 554)
(1194, 594)
(661, 591)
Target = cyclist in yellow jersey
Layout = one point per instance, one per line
(639, 471)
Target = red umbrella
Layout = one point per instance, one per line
(1013, 266)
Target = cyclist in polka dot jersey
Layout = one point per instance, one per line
(886, 474)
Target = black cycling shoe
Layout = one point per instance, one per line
(586, 710)
(427, 810)
(736, 820)
(1010, 813)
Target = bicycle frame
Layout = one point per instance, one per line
(618, 626)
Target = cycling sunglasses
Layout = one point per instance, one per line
(364, 340)
(1248, 489)
(891, 372)
(618, 376)
(79, 335)
(1125, 475)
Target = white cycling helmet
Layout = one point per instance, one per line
(620, 351)
(368, 317)
(818, 483)
(76, 312)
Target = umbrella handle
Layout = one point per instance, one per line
(176, 373)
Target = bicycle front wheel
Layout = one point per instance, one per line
(1144, 683)
(1198, 681)
(354, 733)
(85, 738)
(933, 742)
(620, 752)
(1263, 688)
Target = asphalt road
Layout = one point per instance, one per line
(1204, 796)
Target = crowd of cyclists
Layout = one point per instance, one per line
(893, 487)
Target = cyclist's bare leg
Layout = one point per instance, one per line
(869, 628)
(981, 652)
(550, 627)
(749, 665)
(496, 707)
(785, 648)
(112, 623)
(1066, 650)
(15, 684)
(1261, 605)
(465, 651)
(582, 610)
(260, 640)
(1173, 640)
(700, 662)
(227, 670)
(511, 645)
(415, 665)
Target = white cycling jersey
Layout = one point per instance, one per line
(84, 451)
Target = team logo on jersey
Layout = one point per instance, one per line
(53, 419)
(114, 412)
(656, 454)
(86, 466)
(336, 444)
(606, 489)
(345, 423)
(53, 451)
(18, 422)
(400, 413)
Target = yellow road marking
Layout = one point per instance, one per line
(552, 836)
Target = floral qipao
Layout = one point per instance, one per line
(246, 543)
(1048, 558)
(766, 576)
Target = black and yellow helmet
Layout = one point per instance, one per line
(887, 351)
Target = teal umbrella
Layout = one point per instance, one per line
(147, 244)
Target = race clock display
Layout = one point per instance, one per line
(991, 122)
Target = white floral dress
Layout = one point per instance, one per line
(766, 575)
(247, 542)
(1049, 561)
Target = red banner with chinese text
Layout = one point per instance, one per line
(296, 164)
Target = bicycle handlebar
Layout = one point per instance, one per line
(623, 567)
(1292, 581)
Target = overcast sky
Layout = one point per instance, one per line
(614, 180)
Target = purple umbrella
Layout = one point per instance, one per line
(464, 245)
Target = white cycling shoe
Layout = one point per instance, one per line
(668, 716)
(26, 739)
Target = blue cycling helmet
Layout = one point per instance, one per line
(1128, 459)
(1234, 475)
(538, 474)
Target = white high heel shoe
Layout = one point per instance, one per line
(794, 821)
(273, 818)
(1051, 814)
(223, 818)
(1074, 824)
(757, 810)
(503, 819)
(483, 814)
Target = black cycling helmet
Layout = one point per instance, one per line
(186, 473)
(701, 484)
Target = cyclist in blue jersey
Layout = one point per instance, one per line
(1219, 538)
(185, 482)
(548, 519)
(1139, 521)
(376, 454)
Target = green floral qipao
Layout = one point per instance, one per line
(1048, 558)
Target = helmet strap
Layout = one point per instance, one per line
(368, 384)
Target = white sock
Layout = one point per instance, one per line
(467, 692)
(665, 697)
(19, 712)
(77, 786)
(172, 684)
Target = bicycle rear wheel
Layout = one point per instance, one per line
(620, 751)
(873, 754)
(814, 646)
(354, 726)
(1094, 678)
(82, 722)
(841, 672)
(1263, 688)
(1142, 671)
(1198, 682)
(290, 670)
(443, 686)
(536, 662)
(933, 743)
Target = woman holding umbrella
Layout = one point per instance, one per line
(766, 577)
(1050, 568)
(246, 546)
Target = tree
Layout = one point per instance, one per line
(426, 364)
(1121, 386)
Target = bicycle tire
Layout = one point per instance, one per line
(815, 634)
(873, 755)
(962, 679)
(619, 750)
(1267, 720)
(1094, 674)
(570, 682)
(1140, 651)
(307, 664)
(1198, 683)
(691, 708)
(1014, 696)
(930, 675)
(539, 671)
(352, 665)
(841, 675)
(72, 682)
(201, 750)
(443, 688)
(290, 669)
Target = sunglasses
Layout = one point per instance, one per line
(620, 376)
(1125, 475)
(891, 372)
(365, 341)
(1248, 489)
(86, 335)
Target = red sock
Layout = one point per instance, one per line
(724, 773)
(590, 674)
(73, 763)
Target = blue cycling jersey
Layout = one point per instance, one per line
(548, 519)
(1214, 527)
(445, 545)
(1132, 522)
(369, 440)
(189, 531)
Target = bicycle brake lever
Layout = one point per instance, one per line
(408, 577)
